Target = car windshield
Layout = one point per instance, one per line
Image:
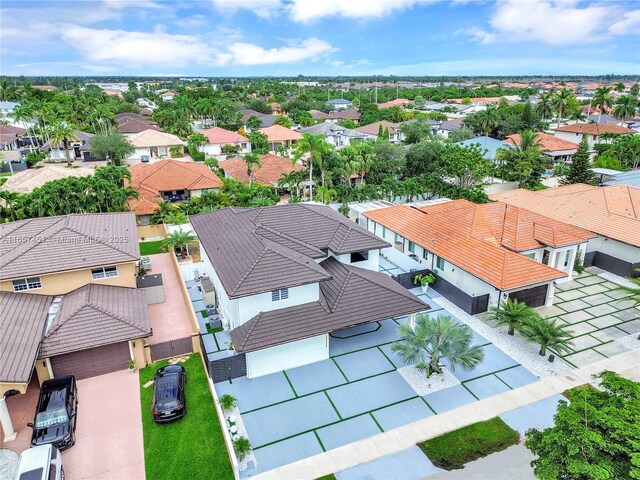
(51, 417)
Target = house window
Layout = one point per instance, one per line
(104, 272)
(532, 256)
(425, 254)
(360, 256)
(384, 232)
(281, 294)
(32, 283)
(412, 247)
(567, 256)
(440, 263)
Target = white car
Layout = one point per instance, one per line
(40, 463)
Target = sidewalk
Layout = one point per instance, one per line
(404, 437)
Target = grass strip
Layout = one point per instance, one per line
(454, 449)
(151, 248)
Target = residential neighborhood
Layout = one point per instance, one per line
(319, 241)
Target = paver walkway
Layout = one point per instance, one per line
(404, 437)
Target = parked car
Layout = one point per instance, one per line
(40, 463)
(56, 413)
(169, 402)
(144, 158)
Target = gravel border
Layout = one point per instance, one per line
(423, 385)
(242, 431)
(521, 350)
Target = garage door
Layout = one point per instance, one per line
(533, 297)
(92, 362)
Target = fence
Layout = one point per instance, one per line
(406, 279)
(151, 231)
(171, 348)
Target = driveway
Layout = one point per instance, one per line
(109, 433)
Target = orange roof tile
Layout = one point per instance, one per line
(612, 212)
(547, 142)
(220, 136)
(278, 133)
(483, 239)
(595, 128)
(166, 175)
(271, 169)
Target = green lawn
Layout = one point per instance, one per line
(331, 476)
(192, 447)
(151, 248)
(454, 449)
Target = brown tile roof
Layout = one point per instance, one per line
(595, 128)
(21, 326)
(96, 315)
(349, 114)
(318, 115)
(278, 133)
(373, 128)
(40, 246)
(548, 143)
(612, 211)
(10, 129)
(251, 248)
(353, 296)
(217, 135)
(483, 239)
(271, 169)
(137, 126)
(149, 179)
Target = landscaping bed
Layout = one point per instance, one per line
(192, 447)
(454, 449)
(151, 248)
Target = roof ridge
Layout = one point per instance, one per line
(249, 271)
(340, 293)
(25, 247)
(344, 236)
(254, 322)
(97, 239)
(287, 236)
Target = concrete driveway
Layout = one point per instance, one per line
(109, 432)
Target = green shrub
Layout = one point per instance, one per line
(176, 151)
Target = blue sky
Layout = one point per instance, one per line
(319, 37)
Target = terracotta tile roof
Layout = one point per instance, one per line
(220, 136)
(152, 138)
(278, 133)
(149, 179)
(96, 315)
(548, 143)
(352, 296)
(251, 248)
(349, 114)
(271, 169)
(21, 326)
(595, 128)
(398, 102)
(612, 211)
(373, 128)
(483, 239)
(45, 245)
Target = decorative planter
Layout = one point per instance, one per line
(424, 288)
(232, 419)
(233, 429)
(231, 353)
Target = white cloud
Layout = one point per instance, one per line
(306, 11)
(477, 34)
(629, 24)
(249, 54)
(262, 8)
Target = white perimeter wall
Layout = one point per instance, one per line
(289, 355)
(614, 248)
(212, 149)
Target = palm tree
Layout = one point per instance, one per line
(547, 333)
(523, 162)
(163, 210)
(179, 239)
(544, 108)
(317, 148)
(625, 107)
(252, 161)
(490, 118)
(176, 217)
(288, 180)
(635, 90)
(61, 136)
(561, 102)
(435, 338)
(602, 99)
(512, 313)
(578, 115)
(619, 87)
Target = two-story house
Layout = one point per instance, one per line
(335, 134)
(593, 131)
(374, 129)
(285, 277)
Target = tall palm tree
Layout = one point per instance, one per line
(61, 136)
(512, 313)
(288, 180)
(252, 162)
(434, 339)
(317, 148)
(602, 99)
(561, 102)
(179, 240)
(547, 333)
(163, 210)
(523, 162)
(620, 87)
(490, 118)
(625, 107)
(544, 108)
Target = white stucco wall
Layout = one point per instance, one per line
(249, 307)
(372, 262)
(212, 149)
(289, 355)
(612, 247)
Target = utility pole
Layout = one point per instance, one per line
(376, 94)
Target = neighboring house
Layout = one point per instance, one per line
(10, 137)
(279, 136)
(483, 254)
(132, 125)
(153, 143)
(168, 180)
(611, 212)
(219, 137)
(556, 148)
(7, 108)
(266, 119)
(28, 180)
(339, 104)
(271, 168)
(488, 145)
(445, 128)
(318, 115)
(593, 131)
(78, 150)
(335, 134)
(339, 116)
(604, 118)
(631, 179)
(286, 277)
(398, 102)
(395, 135)
(167, 96)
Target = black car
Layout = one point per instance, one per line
(56, 413)
(169, 402)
